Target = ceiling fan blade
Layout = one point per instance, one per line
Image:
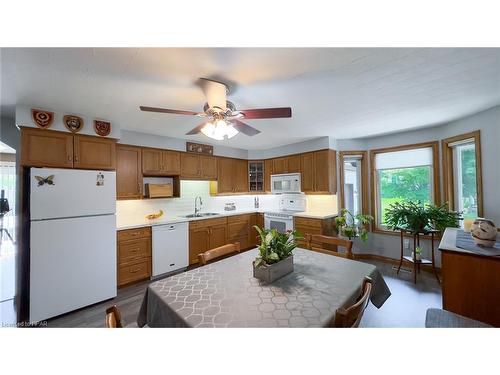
(215, 92)
(244, 128)
(174, 111)
(196, 130)
(266, 113)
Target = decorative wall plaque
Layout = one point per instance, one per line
(198, 148)
(42, 119)
(102, 128)
(73, 123)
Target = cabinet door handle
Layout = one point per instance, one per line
(70, 158)
(76, 158)
(139, 187)
(135, 270)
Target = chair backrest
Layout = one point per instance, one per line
(351, 317)
(219, 252)
(317, 242)
(113, 317)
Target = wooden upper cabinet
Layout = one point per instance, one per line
(46, 148)
(151, 162)
(128, 172)
(268, 171)
(171, 165)
(293, 164)
(94, 152)
(325, 172)
(225, 176)
(190, 165)
(160, 162)
(307, 171)
(280, 165)
(240, 176)
(208, 167)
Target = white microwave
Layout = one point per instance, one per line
(285, 183)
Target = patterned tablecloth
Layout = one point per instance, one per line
(225, 293)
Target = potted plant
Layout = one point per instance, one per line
(417, 254)
(351, 226)
(275, 258)
(419, 218)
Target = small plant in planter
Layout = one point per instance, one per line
(351, 226)
(418, 253)
(275, 258)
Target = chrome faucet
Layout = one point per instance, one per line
(196, 209)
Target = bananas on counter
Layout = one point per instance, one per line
(155, 215)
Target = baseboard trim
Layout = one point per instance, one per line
(382, 258)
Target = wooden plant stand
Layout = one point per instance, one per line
(416, 242)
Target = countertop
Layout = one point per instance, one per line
(448, 243)
(140, 222)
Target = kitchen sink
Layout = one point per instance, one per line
(201, 214)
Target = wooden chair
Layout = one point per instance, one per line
(219, 252)
(316, 242)
(351, 317)
(113, 317)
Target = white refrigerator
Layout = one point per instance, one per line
(72, 240)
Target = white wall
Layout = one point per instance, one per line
(149, 140)
(488, 122)
(130, 210)
(9, 134)
(295, 148)
(23, 118)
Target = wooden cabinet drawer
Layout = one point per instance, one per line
(241, 218)
(308, 222)
(207, 223)
(130, 234)
(134, 271)
(132, 250)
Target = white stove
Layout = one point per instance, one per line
(282, 220)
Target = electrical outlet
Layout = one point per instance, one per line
(406, 243)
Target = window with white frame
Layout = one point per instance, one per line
(403, 175)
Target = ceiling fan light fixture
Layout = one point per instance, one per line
(219, 130)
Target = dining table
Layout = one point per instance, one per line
(225, 293)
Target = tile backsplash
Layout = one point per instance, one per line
(191, 189)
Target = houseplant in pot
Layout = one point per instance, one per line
(352, 226)
(275, 258)
(419, 218)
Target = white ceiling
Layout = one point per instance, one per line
(338, 92)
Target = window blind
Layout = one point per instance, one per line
(404, 159)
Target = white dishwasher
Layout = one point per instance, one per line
(170, 248)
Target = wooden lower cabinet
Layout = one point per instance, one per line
(307, 225)
(133, 255)
(471, 286)
(211, 233)
(205, 235)
(238, 228)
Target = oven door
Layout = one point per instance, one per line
(280, 224)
